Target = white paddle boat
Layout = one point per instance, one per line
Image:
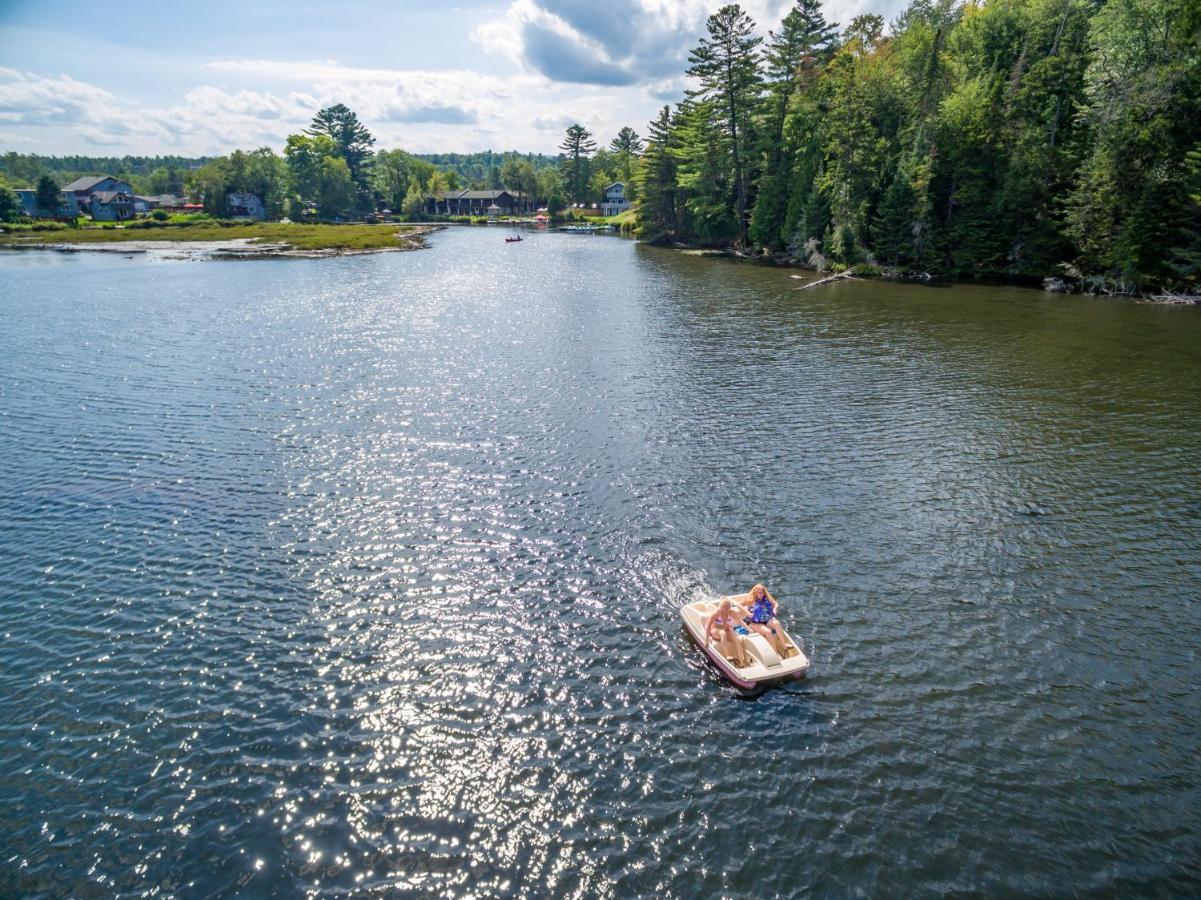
(766, 666)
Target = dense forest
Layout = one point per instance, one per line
(1002, 138)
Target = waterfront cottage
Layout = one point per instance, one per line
(28, 198)
(111, 206)
(245, 205)
(477, 203)
(615, 201)
(84, 188)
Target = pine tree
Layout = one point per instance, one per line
(352, 140)
(578, 145)
(791, 59)
(46, 198)
(726, 63)
(627, 145)
(657, 219)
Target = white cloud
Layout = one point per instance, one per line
(420, 110)
(28, 99)
(627, 42)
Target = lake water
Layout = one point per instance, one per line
(362, 574)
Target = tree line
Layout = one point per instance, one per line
(331, 169)
(994, 139)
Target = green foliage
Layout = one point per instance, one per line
(46, 198)
(803, 43)
(335, 187)
(413, 205)
(352, 141)
(476, 169)
(258, 172)
(998, 138)
(391, 175)
(518, 175)
(578, 145)
(160, 215)
(305, 158)
(726, 63)
(10, 209)
(298, 236)
(627, 147)
(658, 185)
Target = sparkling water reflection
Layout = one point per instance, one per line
(360, 575)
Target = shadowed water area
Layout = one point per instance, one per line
(362, 574)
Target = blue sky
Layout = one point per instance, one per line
(208, 77)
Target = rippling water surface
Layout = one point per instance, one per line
(362, 574)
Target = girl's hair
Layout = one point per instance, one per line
(756, 590)
(724, 603)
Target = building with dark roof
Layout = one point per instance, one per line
(84, 188)
(28, 198)
(477, 203)
(616, 201)
(111, 206)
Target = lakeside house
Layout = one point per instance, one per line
(615, 201)
(28, 198)
(245, 205)
(480, 203)
(86, 187)
(111, 206)
(143, 204)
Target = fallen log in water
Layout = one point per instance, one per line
(846, 274)
(1176, 299)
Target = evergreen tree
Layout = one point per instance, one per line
(578, 145)
(792, 57)
(726, 63)
(627, 146)
(1142, 103)
(46, 198)
(657, 219)
(352, 140)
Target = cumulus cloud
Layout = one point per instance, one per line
(628, 42)
(619, 42)
(424, 111)
(28, 99)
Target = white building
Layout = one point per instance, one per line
(615, 201)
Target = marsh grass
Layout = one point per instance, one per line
(297, 236)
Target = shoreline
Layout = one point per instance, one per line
(202, 243)
(1047, 285)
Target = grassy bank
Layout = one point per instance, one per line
(626, 221)
(339, 238)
